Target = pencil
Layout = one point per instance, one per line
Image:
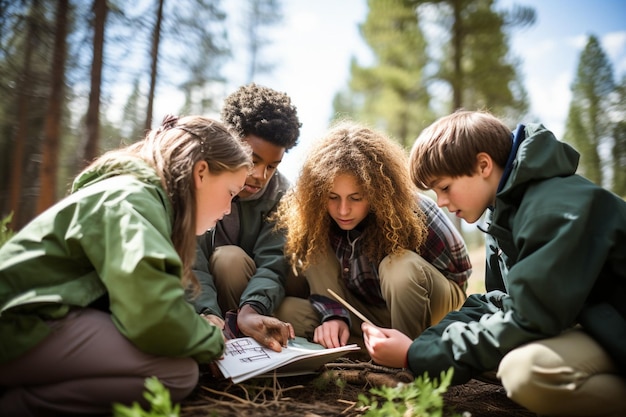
(349, 307)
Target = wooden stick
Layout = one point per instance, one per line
(349, 307)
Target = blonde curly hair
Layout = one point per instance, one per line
(379, 165)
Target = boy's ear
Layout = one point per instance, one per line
(484, 164)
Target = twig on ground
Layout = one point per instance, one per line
(351, 405)
(261, 399)
(226, 394)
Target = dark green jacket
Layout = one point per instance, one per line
(107, 242)
(247, 227)
(556, 253)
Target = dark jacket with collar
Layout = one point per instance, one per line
(556, 257)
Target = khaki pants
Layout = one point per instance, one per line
(83, 367)
(232, 269)
(568, 375)
(417, 296)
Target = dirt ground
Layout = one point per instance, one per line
(321, 396)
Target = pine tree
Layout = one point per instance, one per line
(52, 127)
(259, 14)
(25, 56)
(618, 153)
(92, 118)
(469, 65)
(474, 58)
(391, 94)
(588, 126)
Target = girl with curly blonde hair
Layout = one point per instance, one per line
(355, 224)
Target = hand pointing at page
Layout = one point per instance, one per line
(268, 331)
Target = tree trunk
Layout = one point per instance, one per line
(92, 121)
(156, 38)
(52, 126)
(457, 77)
(457, 53)
(21, 133)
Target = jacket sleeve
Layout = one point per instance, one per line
(133, 254)
(267, 285)
(206, 300)
(467, 340)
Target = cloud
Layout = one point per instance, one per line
(540, 50)
(303, 22)
(550, 101)
(578, 41)
(614, 44)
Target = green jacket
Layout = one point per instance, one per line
(247, 227)
(556, 253)
(106, 244)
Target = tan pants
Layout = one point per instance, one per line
(417, 296)
(232, 269)
(84, 366)
(568, 375)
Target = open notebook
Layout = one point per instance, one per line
(245, 358)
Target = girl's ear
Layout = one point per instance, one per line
(200, 173)
(484, 164)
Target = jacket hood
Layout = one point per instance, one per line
(123, 165)
(537, 155)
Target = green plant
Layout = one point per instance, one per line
(5, 231)
(341, 384)
(159, 399)
(420, 398)
(323, 382)
(326, 380)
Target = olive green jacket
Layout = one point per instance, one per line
(108, 243)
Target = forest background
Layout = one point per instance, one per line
(78, 77)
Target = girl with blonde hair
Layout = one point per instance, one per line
(92, 291)
(355, 224)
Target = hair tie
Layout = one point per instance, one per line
(169, 121)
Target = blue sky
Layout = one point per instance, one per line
(313, 46)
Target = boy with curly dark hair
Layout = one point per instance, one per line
(240, 263)
(263, 112)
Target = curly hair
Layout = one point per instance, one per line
(379, 165)
(261, 111)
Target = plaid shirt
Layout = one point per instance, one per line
(444, 249)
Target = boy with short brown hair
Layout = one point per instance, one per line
(553, 320)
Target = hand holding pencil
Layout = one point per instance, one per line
(387, 347)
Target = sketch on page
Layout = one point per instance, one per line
(245, 358)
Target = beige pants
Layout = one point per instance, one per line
(568, 375)
(232, 269)
(82, 367)
(417, 296)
